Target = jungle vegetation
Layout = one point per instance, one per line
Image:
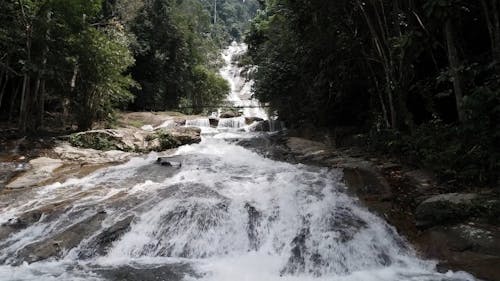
(420, 78)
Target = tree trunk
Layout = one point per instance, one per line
(455, 64)
(23, 107)
(381, 45)
(41, 106)
(13, 102)
(380, 96)
(41, 84)
(25, 94)
(40, 93)
(4, 85)
(491, 9)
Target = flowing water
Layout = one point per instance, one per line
(227, 214)
(241, 94)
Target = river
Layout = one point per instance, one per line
(227, 214)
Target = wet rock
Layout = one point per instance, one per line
(445, 208)
(251, 120)
(42, 169)
(297, 261)
(345, 224)
(214, 122)
(70, 153)
(365, 182)
(178, 136)
(267, 126)
(18, 223)
(102, 242)
(470, 246)
(168, 162)
(229, 114)
(261, 126)
(170, 272)
(9, 170)
(186, 135)
(254, 218)
(58, 244)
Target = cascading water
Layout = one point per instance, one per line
(232, 123)
(200, 122)
(226, 214)
(241, 94)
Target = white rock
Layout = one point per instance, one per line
(147, 128)
(42, 170)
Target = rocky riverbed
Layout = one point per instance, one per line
(461, 230)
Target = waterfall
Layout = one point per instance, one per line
(203, 124)
(200, 122)
(232, 123)
(241, 94)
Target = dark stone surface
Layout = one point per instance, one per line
(54, 246)
(103, 241)
(171, 272)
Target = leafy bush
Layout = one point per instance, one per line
(466, 153)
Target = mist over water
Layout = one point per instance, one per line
(227, 214)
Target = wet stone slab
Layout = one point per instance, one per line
(171, 272)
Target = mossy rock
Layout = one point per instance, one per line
(167, 140)
(100, 140)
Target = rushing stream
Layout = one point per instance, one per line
(227, 214)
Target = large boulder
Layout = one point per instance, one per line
(451, 207)
(135, 140)
(251, 120)
(470, 246)
(175, 137)
(260, 126)
(109, 139)
(229, 114)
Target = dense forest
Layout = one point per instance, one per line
(420, 78)
(75, 62)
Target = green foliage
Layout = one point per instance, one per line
(101, 85)
(233, 18)
(176, 59)
(209, 89)
(454, 153)
(66, 52)
(393, 67)
(81, 58)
